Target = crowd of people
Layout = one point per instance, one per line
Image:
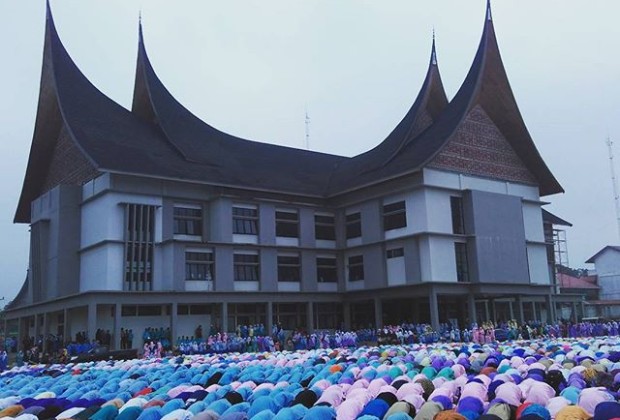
(157, 342)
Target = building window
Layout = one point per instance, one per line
(246, 267)
(187, 220)
(139, 244)
(287, 223)
(395, 253)
(462, 266)
(458, 223)
(326, 270)
(394, 216)
(245, 220)
(354, 225)
(288, 268)
(324, 227)
(356, 268)
(199, 266)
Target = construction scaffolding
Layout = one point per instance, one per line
(560, 247)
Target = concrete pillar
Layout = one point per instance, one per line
(92, 320)
(36, 330)
(434, 308)
(174, 322)
(269, 318)
(574, 313)
(511, 311)
(116, 334)
(520, 316)
(224, 314)
(378, 313)
(346, 315)
(45, 332)
(534, 316)
(310, 317)
(471, 309)
(550, 314)
(583, 310)
(20, 332)
(486, 311)
(493, 311)
(65, 326)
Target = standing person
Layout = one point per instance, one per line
(4, 361)
(130, 339)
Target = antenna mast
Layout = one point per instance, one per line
(614, 182)
(307, 130)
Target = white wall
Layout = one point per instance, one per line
(608, 270)
(537, 261)
(101, 268)
(532, 219)
(289, 286)
(437, 259)
(103, 219)
(186, 325)
(396, 271)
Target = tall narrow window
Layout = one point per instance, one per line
(246, 267)
(245, 220)
(356, 268)
(458, 223)
(354, 225)
(462, 264)
(324, 227)
(139, 243)
(199, 266)
(287, 223)
(326, 270)
(288, 268)
(394, 216)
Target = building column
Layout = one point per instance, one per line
(269, 318)
(36, 330)
(520, 317)
(174, 321)
(434, 308)
(65, 327)
(583, 310)
(346, 315)
(310, 317)
(486, 311)
(550, 314)
(45, 332)
(574, 313)
(511, 310)
(224, 317)
(92, 320)
(378, 313)
(471, 310)
(493, 310)
(116, 334)
(20, 332)
(534, 316)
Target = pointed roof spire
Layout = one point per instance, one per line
(433, 51)
(489, 15)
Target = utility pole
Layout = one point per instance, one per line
(614, 182)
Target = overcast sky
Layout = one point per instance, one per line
(251, 67)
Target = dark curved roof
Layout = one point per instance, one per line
(229, 159)
(161, 138)
(486, 85)
(427, 107)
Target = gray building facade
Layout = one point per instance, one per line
(151, 217)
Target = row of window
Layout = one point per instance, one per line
(188, 221)
(246, 267)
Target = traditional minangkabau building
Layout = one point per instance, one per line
(152, 217)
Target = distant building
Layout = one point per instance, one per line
(152, 217)
(607, 268)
